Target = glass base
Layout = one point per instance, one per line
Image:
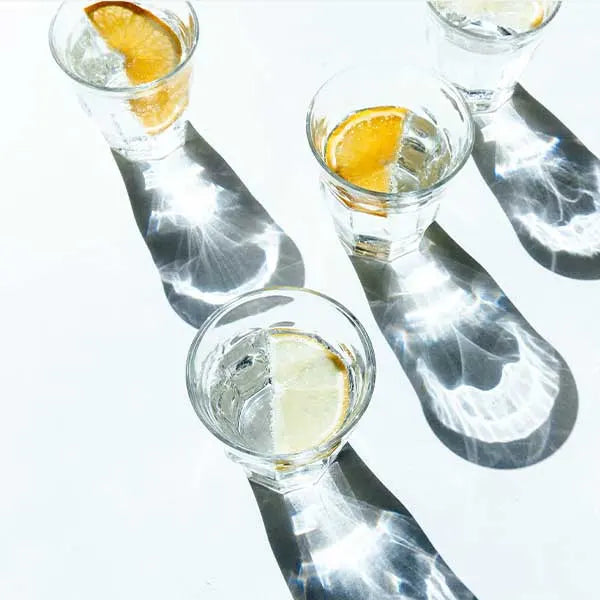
(379, 249)
(152, 147)
(283, 478)
(485, 101)
(383, 236)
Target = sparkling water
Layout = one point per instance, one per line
(93, 60)
(500, 23)
(423, 155)
(241, 390)
(238, 380)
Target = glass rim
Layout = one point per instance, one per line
(331, 442)
(131, 88)
(482, 37)
(410, 197)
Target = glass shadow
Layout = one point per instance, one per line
(492, 389)
(349, 538)
(209, 237)
(546, 181)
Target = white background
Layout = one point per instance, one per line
(110, 486)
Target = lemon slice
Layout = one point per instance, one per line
(519, 15)
(151, 50)
(311, 392)
(363, 148)
(150, 47)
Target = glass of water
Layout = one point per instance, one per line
(387, 139)
(281, 376)
(483, 46)
(131, 67)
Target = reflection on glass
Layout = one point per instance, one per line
(349, 538)
(492, 389)
(210, 239)
(547, 182)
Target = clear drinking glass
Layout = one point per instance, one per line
(481, 57)
(436, 141)
(232, 381)
(141, 121)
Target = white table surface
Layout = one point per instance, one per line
(111, 487)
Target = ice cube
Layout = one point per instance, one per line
(94, 61)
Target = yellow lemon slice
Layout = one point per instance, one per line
(363, 148)
(312, 392)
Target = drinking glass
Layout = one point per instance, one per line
(231, 385)
(437, 138)
(142, 121)
(484, 61)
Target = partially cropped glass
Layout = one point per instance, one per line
(259, 377)
(435, 142)
(484, 52)
(140, 120)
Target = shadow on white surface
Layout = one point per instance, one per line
(492, 390)
(349, 538)
(210, 239)
(546, 181)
